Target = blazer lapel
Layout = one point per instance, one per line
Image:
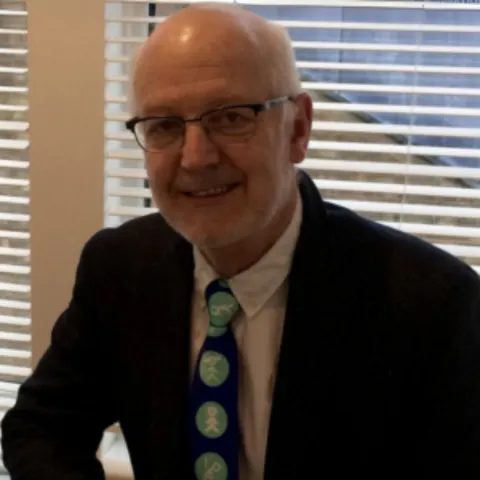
(311, 342)
(169, 375)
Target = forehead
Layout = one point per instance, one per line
(208, 77)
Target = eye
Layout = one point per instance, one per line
(231, 118)
(161, 126)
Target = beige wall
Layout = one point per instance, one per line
(66, 114)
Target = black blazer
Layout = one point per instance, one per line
(378, 374)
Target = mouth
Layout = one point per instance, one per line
(212, 192)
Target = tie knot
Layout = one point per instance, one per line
(222, 306)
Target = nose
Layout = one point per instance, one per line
(198, 150)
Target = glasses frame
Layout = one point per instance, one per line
(131, 124)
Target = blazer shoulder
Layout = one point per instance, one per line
(393, 253)
(137, 239)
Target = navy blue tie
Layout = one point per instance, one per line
(214, 434)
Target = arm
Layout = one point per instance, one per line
(55, 428)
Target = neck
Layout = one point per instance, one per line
(235, 258)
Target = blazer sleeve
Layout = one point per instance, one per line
(56, 425)
(452, 446)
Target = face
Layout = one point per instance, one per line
(218, 193)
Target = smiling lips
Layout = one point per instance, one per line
(211, 192)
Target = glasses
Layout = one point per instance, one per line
(224, 125)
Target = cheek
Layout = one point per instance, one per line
(160, 172)
(251, 161)
(261, 160)
(270, 174)
(261, 170)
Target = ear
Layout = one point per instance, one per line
(302, 127)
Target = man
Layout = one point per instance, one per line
(350, 349)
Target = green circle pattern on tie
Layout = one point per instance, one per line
(222, 307)
(211, 466)
(211, 418)
(214, 368)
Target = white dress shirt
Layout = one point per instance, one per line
(261, 292)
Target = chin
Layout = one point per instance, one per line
(212, 241)
(213, 238)
(222, 232)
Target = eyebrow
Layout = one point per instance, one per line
(219, 102)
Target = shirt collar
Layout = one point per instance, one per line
(254, 286)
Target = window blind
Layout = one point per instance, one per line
(15, 337)
(396, 90)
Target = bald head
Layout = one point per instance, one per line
(223, 123)
(213, 33)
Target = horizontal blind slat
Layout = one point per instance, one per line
(14, 353)
(14, 287)
(15, 371)
(348, 87)
(13, 31)
(398, 188)
(390, 148)
(383, 88)
(331, 25)
(14, 304)
(14, 269)
(460, 250)
(7, 387)
(377, 47)
(14, 52)
(397, 4)
(396, 68)
(350, 165)
(15, 337)
(17, 321)
(390, 168)
(370, 129)
(14, 252)
(387, 129)
(11, 234)
(13, 13)
(14, 200)
(437, 230)
(358, 205)
(412, 110)
(347, 186)
(410, 209)
(13, 144)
